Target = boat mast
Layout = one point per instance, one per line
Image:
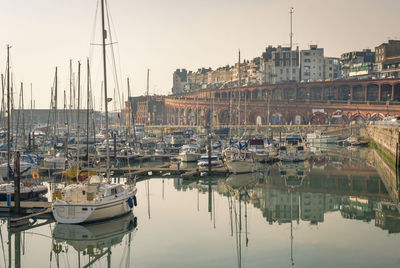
(131, 108)
(8, 110)
(70, 103)
(240, 94)
(104, 36)
(23, 114)
(87, 112)
(147, 98)
(55, 112)
(78, 117)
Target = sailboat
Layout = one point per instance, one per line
(95, 199)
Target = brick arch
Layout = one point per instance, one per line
(396, 90)
(255, 94)
(190, 117)
(277, 94)
(223, 117)
(289, 93)
(372, 92)
(386, 92)
(253, 118)
(358, 93)
(295, 115)
(376, 116)
(318, 118)
(358, 117)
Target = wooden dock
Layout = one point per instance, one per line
(24, 220)
(25, 205)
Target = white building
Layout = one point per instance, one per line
(331, 68)
(281, 64)
(312, 64)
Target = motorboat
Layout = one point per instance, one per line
(352, 141)
(203, 161)
(27, 167)
(189, 153)
(317, 137)
(55, 162)
(242, 161)
(263, 154)
(293, 149)
(27, 191)
(94, 200)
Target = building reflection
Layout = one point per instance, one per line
(346, 181)
(387, 217)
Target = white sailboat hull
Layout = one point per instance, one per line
(23, 166)
(190, 157)
(68, 213)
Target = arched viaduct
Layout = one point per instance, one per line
(333, 102)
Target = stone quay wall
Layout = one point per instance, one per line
(385, 136)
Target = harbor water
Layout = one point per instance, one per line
(335, 210)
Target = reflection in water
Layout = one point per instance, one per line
(301, 214)
(342, 181)
(93, 240)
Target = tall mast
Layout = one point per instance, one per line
(87, 112)
(8, 110)
(240, 93)
(147, 97)
(23, 113)
(70, 95)
(78, 117)
(30, 129)
(55, 112)
(104, 35)
(2, 101)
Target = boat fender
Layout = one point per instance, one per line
(130, 202)
(135, 201)
(57, 248)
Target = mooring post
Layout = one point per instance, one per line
(29, 142)
(115, 147)
(33, 140)
(17, 205)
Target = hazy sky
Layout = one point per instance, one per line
(164, 35)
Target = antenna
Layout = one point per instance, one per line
(291, 27)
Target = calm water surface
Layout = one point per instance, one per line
(336, 210)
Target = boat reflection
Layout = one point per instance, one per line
(94, 240)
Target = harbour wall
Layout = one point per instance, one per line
(269, 130)
(385, 136)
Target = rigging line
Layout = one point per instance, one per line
(94, 28)
(111, 26)
(48, 116)
(2, 246)
(39, 234)
(113, 55)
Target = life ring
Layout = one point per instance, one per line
(35, 175)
